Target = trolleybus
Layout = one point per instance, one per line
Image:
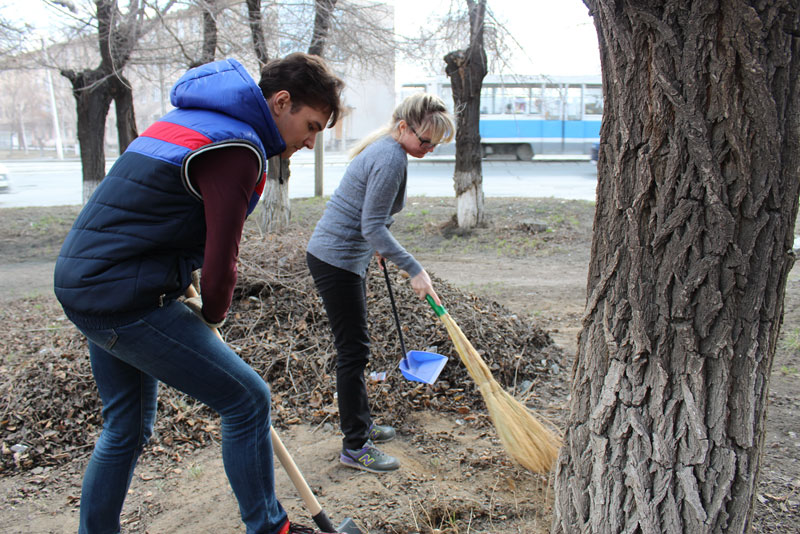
(527, 115)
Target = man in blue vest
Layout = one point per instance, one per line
(175, 201)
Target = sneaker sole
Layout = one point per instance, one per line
(349, 462)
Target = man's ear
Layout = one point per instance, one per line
(280, 102)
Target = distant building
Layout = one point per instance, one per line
(27, 112)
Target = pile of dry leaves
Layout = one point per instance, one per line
(50, 413)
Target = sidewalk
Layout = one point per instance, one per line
(307, 156)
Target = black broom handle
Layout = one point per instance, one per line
(394, 308)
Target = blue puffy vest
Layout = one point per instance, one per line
(142, 233)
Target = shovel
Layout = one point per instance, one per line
(416, 365)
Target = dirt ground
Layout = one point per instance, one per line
(532, 257)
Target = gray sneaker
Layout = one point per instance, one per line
(369, 458)
(381, 433)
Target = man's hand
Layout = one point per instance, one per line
(196, 305)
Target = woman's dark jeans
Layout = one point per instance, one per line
(344, 295)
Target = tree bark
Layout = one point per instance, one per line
(466, 69)
(257, 31)
(122, 94)
(323, 10)
(92, 100)
(94, 89)
(210, 11)
(696, 201)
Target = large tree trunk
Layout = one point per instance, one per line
(123, 104)
(94, 89)
(92, 100)
(466, 69)
(323, 12)
(697, 197)
(256, 24)
(276, 208)
(210, 12)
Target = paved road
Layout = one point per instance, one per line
(53, 182)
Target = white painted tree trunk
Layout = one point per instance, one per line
(276, 209)
(469, 203)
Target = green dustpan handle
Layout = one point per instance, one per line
(438, 310)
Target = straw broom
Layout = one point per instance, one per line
(528, 442)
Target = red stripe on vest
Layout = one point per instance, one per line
(260, 185)
(176, 134)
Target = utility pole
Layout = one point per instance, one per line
(56, 129)
(319, 150)
(53, 108)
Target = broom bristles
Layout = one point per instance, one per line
(527, 441)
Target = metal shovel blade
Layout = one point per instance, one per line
(420, 366)
(348, 526)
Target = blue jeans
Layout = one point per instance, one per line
(172, 345)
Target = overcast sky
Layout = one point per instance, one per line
(557, 37)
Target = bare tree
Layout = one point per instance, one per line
(323, 13)
(275, 200)
(346, 33)
(29, 112)
(274, 214)
(95, 89)
(256, 24)
(466, 69)
(191, 52)
(453, 30)
(696, 204)
(13, 38)
(211, 10)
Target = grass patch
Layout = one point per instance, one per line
(790, 340)
(34, 234)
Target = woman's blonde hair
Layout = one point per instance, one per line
(421, 111)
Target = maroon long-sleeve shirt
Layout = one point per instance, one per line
(225, 178)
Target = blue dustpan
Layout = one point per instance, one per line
(417, 365)
(420, 366)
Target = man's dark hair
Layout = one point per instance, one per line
(308, 80)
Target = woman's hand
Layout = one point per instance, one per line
(381, 261)
(422, 286)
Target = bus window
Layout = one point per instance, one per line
(551, 102)
(535, 100)
(593, 100)
(447, 97)
(487, 100)
(574, 103)
(512, 100)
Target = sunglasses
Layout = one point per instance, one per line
(423, 143)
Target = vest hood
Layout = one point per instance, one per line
(226, 87)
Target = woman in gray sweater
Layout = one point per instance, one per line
(354, 227)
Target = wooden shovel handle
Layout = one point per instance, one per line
(280, 451)
(312, 504)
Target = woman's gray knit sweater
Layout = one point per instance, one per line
(356, 220)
